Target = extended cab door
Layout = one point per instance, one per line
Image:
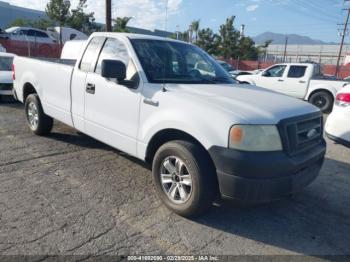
(111, 108)
(297, 80)
(272, 78)
(78, 87)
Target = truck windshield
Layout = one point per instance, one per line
(175, 62)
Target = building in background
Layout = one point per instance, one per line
(325, 54)
(9, 12)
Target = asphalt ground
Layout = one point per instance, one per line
(68, 194)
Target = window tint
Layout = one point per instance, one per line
(297, 71)
(276, 71)
(31, 33)
(41, 34)
(91, 53)
(113, 49)
(22, 32)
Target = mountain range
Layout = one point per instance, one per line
(293, 39)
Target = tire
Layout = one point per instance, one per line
(38, 122)
(200, 175)
(323, 100)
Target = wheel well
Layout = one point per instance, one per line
(165, 136)
(320, 90)
(28, 89)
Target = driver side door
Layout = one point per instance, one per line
(112, 109)
(272, 78)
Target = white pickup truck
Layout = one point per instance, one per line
(300, 80)
(204, 136)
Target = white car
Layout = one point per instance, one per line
(300, 80)
(6, 82)
(29, 34)
(203, 135)
(68, 34)
(338, 123)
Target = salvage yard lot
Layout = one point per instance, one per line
(70, 194)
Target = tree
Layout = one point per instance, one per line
(208, 41)
(59, 11)
(247, 50)
(80, 20)
(120, 24)
(195, 28)
(229, 39)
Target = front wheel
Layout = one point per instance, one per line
(38, 122)
(184, 178)
(323, 100)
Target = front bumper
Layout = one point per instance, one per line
(265, 176)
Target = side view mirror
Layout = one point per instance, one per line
(113, 69)
(265, 73)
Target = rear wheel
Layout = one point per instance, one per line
(323, 100)
(184, 178)
(38, 122)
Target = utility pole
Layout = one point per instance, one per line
(345, 29)
(108, 15)
(285, 50)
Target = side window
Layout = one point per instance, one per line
(276, 71)
(297, 71)
(22, 32)
(41, 34)
(115, 50)
(91, 53)
(31, 32)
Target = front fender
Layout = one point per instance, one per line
(201, 129)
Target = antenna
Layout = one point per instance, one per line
(166, 15)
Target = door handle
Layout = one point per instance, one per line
(150, 102)
(302, 82)
(280, 80)
(90, 88)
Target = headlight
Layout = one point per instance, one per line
(256, 138)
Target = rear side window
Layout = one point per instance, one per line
(91, 54)
(6, 63)
(41, 34)
(297, 71)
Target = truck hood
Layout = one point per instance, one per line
(251, 104)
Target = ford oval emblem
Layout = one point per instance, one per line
(311, 133)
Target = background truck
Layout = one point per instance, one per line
(300, 80)
(204, 136)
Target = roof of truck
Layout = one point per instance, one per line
(135, 36)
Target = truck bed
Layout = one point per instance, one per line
(52, 81)
(69, 62)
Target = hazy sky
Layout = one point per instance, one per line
(315, 18)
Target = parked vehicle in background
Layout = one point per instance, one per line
(232, 71)
(6, 82)
(300, 80)
(203, 135)
(338, 122)
(68, 34)
(29, 34)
